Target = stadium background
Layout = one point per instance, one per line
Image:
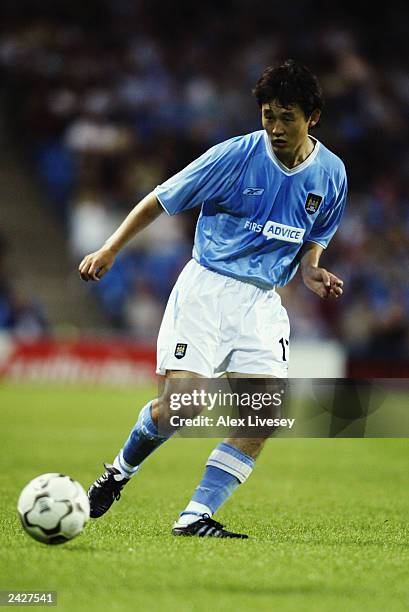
(101, 101)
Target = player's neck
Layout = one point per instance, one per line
(298, 155)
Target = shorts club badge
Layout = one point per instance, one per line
(180, 350)
(312, 203)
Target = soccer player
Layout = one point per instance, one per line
(270, 202)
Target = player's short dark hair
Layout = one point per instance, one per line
(290, 83)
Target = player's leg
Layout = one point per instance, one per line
(184, 351)
(143, 440)
(186, 341)
(228, 466)
(145, 436)
(261, 334)
(251, 447)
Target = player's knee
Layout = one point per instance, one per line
(169, 403)
(249, 446)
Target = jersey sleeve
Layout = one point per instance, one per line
(211, 177)
(327, 222)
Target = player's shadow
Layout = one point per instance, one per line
(272, 589)
(81, 548)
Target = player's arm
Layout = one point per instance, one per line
(323, 283)
(95, 265)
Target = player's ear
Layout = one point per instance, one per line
(314, 118)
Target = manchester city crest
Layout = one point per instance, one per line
(180, 350)
(312, 203)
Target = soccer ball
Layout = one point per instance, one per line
(53, 508)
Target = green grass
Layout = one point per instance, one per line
(328, 519)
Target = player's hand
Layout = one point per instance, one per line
(323, 283)
(95, 265)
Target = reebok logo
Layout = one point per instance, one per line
(253, 191)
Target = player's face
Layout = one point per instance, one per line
(286, 126)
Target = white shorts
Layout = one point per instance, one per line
(214, 324)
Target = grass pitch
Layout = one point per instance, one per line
(328, 519)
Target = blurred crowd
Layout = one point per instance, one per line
(19, 314)
(110, 98)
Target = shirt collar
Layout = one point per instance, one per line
(290, 171)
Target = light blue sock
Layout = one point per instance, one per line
(142, 441)
(226, 468)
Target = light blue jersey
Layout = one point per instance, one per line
(256, 213)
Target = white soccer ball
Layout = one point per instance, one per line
(53, 508)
